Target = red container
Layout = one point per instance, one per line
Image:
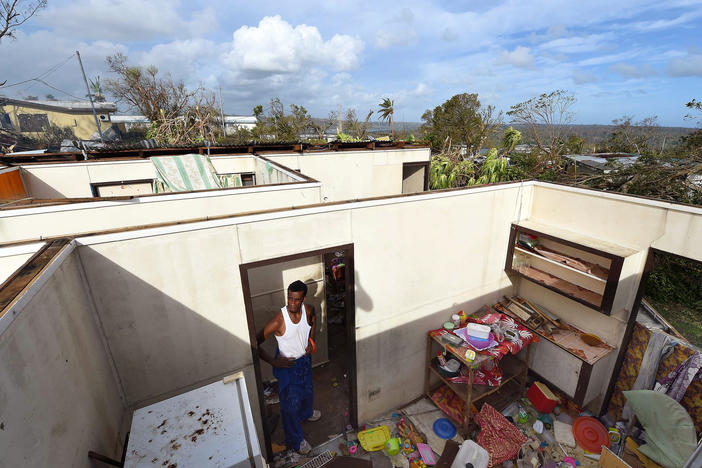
(542, 398)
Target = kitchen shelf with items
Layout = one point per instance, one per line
(586, 272)
(462, 368)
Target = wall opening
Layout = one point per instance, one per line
(415, 177)
(328, 274)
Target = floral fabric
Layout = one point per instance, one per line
(498, 436)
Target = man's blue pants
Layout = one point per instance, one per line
(295, 390)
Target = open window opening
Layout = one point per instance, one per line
(673, 297)
(415, 177)
(328, 275)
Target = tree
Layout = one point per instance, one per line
(545, 119)
(633, 137)
(321, 126)
(575, 144)
(387, 112)
(273, 124)
(178, 115)
(50, 97)
(14, 13)
(355, 129)
(144, 89)
(461, 120)
(695, 105)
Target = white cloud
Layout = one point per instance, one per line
(633, 71)
(578, 44)
(398, 31)
(657, 25)
(126, 20)
(449, 35)
(275, 46)
(520, 57)
(583, 77)
(690, 65)
(421, 90)
(608, 58)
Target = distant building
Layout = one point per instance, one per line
(31, 118)
(232, 122)
(600, 163)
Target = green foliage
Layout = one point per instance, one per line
(494, 169)
(461, 120)
(346, 138)
(447, 171)
(676, 280)
(630, 136)
(240, 136)
(512, 137)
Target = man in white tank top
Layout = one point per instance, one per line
(294, 329)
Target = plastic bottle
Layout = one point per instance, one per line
(473, 454)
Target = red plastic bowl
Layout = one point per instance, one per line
(590, 434)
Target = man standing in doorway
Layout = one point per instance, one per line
(294, 329)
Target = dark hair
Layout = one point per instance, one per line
(298, 286)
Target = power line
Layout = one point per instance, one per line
(43, 75)
(59, 90)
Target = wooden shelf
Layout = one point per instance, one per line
(512, 368)
(561, 265)
(510, 371)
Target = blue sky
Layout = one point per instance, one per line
(637, 58)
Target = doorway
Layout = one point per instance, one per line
(328, 274)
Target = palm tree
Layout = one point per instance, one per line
(387, 111)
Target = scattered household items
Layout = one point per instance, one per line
(319, 461)
(187, 429)
(449, 326)
(563, 433)
(392, 446)
(444, 429)
(670, 433)
(408, 431)
(590, 434)
(426, 453)
(478, 331)
(473, 454)
(374, 439)
(498, 436)
(542, 397)
(529, 455)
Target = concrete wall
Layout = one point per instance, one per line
(348, 175)
(58, 395)
(72, 180)
(31, 223)
(183, 320)
(269, 285)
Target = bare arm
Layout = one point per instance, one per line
(274, 325)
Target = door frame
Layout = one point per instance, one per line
(350, 309)
(425, 164)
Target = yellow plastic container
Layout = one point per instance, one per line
(374, 439)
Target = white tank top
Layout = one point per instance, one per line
(296, 337)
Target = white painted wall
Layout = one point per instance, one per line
(58, 396)
(13, 257)
(73, 179)
(58, 220)
(349, 175)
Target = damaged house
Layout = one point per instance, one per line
(137, 278)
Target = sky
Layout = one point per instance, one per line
(624, 57)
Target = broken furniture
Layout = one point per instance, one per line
(511, 366)
(585, 282)
(209, 426)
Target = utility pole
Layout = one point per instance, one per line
(340, 126)
(221, 111)
(90, 96)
